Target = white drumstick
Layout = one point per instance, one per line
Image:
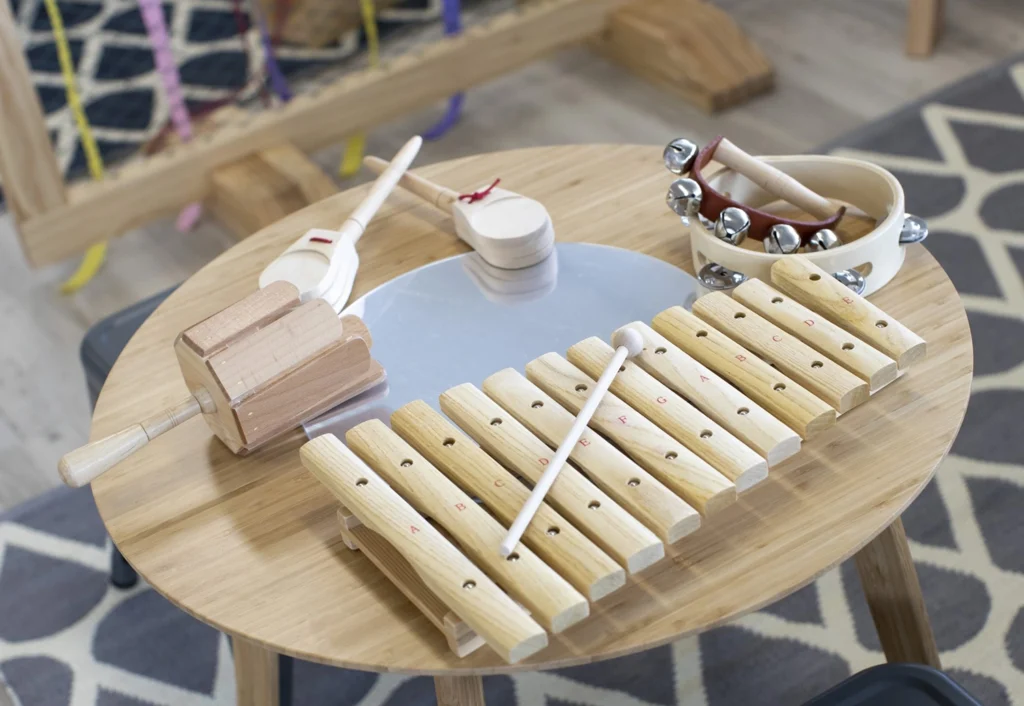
(628, 344)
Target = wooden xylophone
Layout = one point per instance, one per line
(717, 397)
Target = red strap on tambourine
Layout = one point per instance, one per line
(713, 203)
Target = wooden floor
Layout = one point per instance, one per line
(840, 64)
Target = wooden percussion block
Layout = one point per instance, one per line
(643, 495)
(681, 420)
(792, 404)
(816, 289)
(452, 577)
(569, 552)
(693, 478)
(549, 597)
(818, 332)
(358, 537)
(581, 502)
(819, 374)
(709, 393)
(255, 370)
(267, 363)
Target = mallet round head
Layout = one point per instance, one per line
(630, 339)
(733, 225)
(782, 239)
(680, 154)
(683, 197)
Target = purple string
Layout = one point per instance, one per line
(277, 80)
(452, 26)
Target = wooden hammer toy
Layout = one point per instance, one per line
(255, 370)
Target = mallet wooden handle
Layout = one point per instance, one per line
(440, 196)
(81, 466)
(773, 181)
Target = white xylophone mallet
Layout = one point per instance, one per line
(628, 344)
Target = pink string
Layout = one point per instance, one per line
(153, 17)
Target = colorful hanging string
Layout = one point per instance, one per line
(153, 18)
(353, 157)
(95, 255)
(278, 83)
(452, 26)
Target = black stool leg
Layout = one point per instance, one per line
(122, 575)
(285, 671)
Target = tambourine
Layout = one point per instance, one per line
(832, 186)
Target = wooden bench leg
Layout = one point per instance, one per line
(459, 691)
(924, 24)
(257, 676)
(894, 596)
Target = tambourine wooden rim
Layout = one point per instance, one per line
(713, 202)
(878, 254)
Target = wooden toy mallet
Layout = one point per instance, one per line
(508, 230)
(254, 370)
(628, 343)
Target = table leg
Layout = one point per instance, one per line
(924, 24)
(894, 596)
(459, 691)
(257, 677)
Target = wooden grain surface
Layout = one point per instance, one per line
(249, 545)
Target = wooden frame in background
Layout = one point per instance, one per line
(55, 221)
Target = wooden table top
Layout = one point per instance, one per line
(251, 545)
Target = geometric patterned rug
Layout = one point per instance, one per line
(68, 638)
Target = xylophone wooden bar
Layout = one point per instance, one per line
(643, 495)
(443, 568)
(581, 502)
(815, 288)
(460, 637)
(818, 332)
(793, 405)
(824, 378)
(527, 579)
(708, 392)
(693, 478)
(579, 560)
(682, 421)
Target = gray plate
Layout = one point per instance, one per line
(460, 320)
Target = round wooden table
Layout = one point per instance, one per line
(251, 545)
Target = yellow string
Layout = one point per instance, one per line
(95, 255)
(353, 156)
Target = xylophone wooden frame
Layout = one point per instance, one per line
(665, 448)
(56, 220)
